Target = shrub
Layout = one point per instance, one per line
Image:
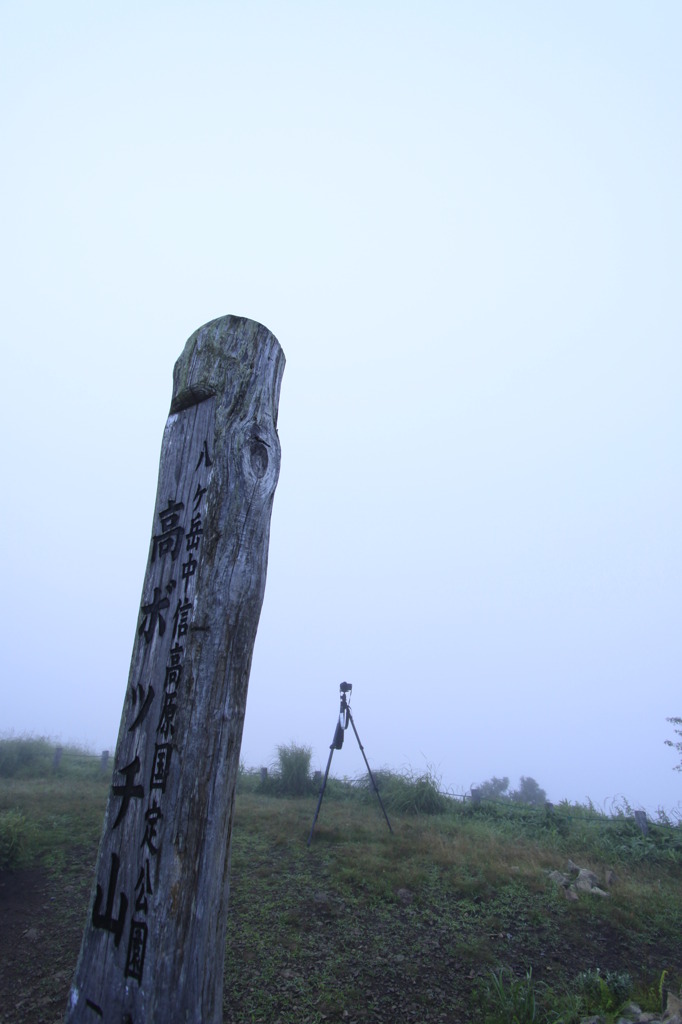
(406, 794)
(604, 992)
(25, 757)
(294, 770)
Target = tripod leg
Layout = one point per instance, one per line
(369, 770)
(324, 785)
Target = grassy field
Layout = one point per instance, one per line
(450, 918)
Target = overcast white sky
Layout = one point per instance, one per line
(463, 222)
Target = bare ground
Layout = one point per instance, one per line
(399, 962)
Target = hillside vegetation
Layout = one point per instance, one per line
(451, 917)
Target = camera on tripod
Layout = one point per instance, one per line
(345, 718)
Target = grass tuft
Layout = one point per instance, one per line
(13, 834)
(406, 793)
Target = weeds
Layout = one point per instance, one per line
(593, 995)
(12, 839)
(603, 993)
(407, 793)
(289, 775)
(510, 1000)
(653, 997)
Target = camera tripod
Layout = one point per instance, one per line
(345, 717)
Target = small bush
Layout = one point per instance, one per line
(406, 794)
(604, 992)
(294, 770)
(12, 839)
(26, 757)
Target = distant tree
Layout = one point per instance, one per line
(676, 744)
(493, 789)
(529, 792)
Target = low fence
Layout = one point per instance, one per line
(571, 812)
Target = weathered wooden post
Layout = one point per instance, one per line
(153, 946)
(641, 822)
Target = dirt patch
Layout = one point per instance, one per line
(301, 947)
(38, 949)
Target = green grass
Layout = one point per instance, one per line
(451, 916)
(406, 793)
(46, 810)
(37, 757)
(13, 839)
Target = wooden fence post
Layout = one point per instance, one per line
(153, 946)
(641, 822)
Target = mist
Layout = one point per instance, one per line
(463, 226)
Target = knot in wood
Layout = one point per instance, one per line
(258, 454)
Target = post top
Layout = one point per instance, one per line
(218, 358)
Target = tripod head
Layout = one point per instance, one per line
(346, 689)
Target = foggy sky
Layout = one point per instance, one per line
(463, 223)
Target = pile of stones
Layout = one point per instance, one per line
(633, 1014)
(576, 881)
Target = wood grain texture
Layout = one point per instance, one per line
(153, 947)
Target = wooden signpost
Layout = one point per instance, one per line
(154, 943)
